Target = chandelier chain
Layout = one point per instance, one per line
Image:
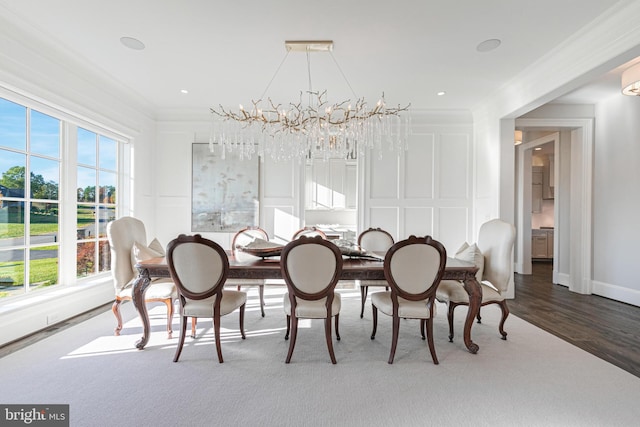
(343, 75)
(274, 75)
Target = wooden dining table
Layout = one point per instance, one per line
(245, 266)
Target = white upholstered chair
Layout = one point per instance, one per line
(413, 267)
(495, 245)
(373, 240)
(199, 268)
(311, 268)
(242, 238)
(128, 242)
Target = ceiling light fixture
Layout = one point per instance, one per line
(631, 80)
(316, 128)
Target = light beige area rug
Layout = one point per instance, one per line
(532, 379)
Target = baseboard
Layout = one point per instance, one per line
(25, 316)
(561, 279)
(614, 292)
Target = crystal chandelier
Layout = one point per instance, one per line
(312, 129)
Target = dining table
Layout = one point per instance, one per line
(247, 266)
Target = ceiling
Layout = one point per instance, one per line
(227, 52)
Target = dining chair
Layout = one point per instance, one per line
(309, 231)
(495, 244)
(199, 268)
(413, 268)
(373, 240)
(128, 245)
(311, 267)
(242, 238)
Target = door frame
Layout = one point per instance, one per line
(579, 244)
(524, 191)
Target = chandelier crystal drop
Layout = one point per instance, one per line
(313, 129)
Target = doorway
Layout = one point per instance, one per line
(572, 218)
(537, 213)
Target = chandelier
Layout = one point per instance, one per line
(312, 128)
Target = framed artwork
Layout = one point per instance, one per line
(224, 192)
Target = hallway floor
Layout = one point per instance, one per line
(605, 328)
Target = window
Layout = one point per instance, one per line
(38, 146)
(97, 169)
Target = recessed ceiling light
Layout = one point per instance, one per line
(441, 93)
(488, 45)
(538, 148)
(132, 43)
(184, 91)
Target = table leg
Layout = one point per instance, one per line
(474, 290)
(137, 295)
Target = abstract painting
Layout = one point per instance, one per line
(224, 192)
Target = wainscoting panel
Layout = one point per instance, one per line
(454, 166)
(453, 228)
(280, 212)
(382, 175)
(418, 221)
(433, 179)
(385, 218)
(280, 222)
(419, 162)
(281, 179)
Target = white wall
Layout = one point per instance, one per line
(616, 199)
(428, 189)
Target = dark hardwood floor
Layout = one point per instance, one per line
(605, 328)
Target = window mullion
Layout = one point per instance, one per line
(68, 223)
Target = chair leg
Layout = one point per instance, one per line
(478, 317)
(374, 315)
(194, 323)
(394, 337)
(450, 307)
(242, 321)
(337, 316)
(432, 347)
(327, 334)
(505, 313)
(422, 322)
(116, 312)
(216, 329)
(286, 335)
(169, 303)
(363, 297)
(261, 292)
(294, 333)
(183, 332)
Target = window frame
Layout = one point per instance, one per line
(67, 191)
